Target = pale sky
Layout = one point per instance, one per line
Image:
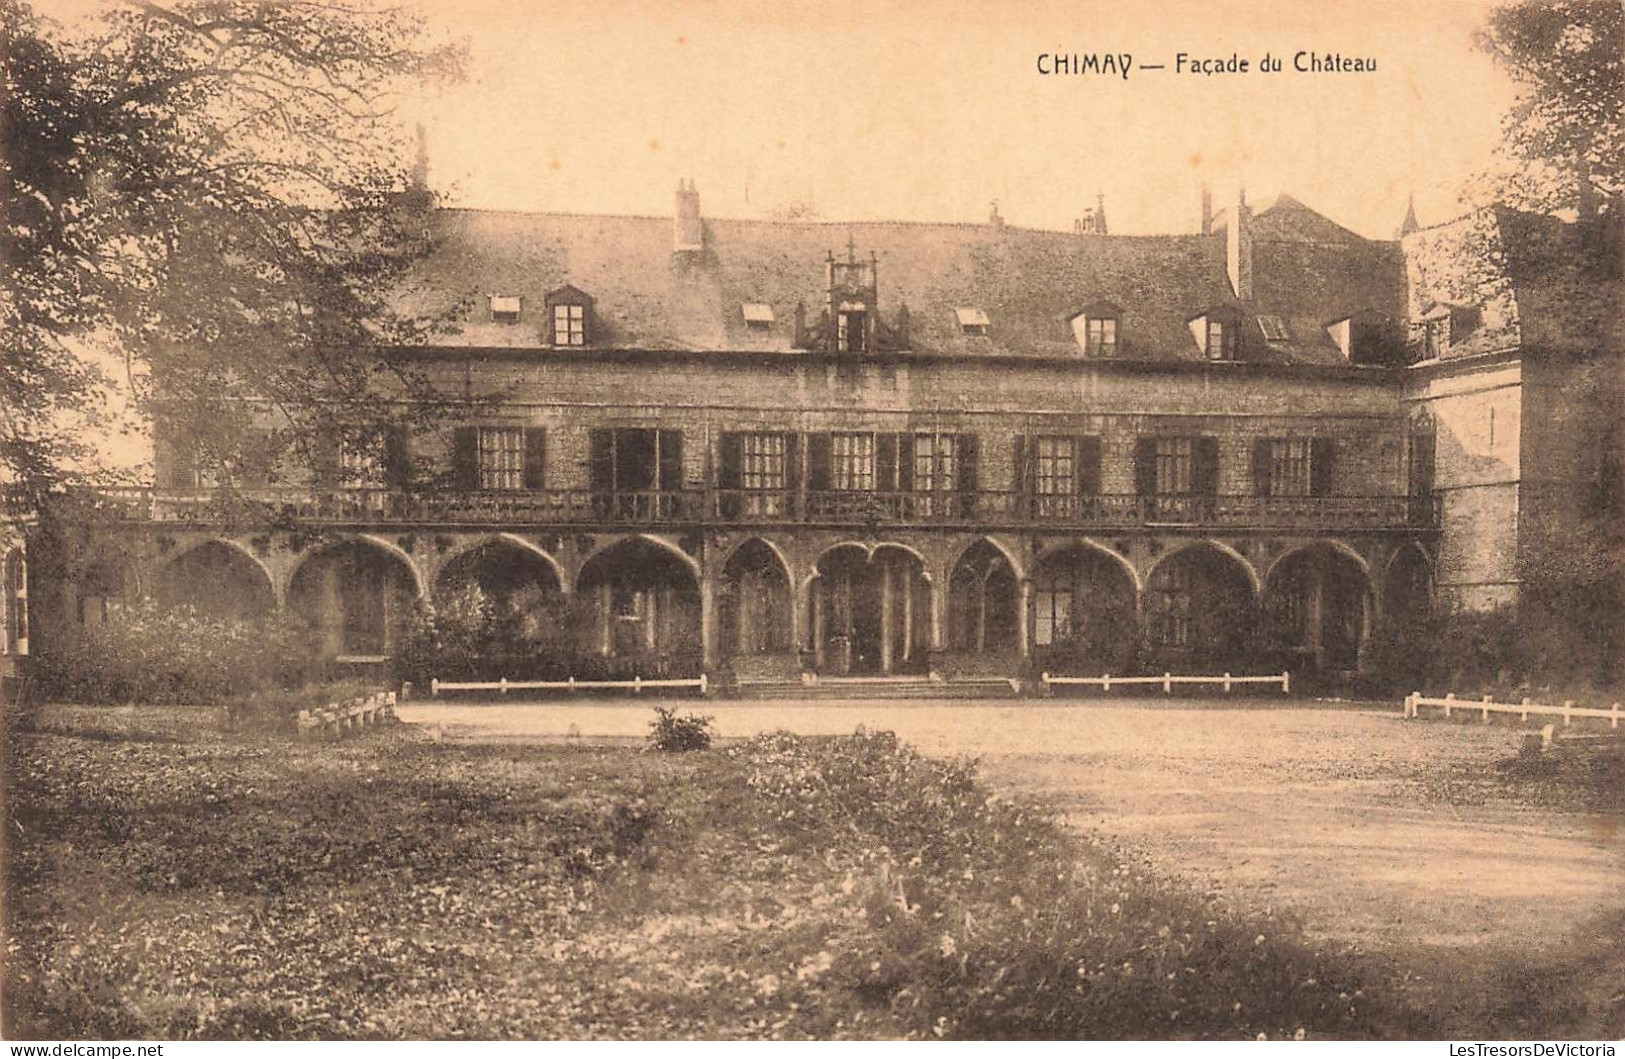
(929, 111)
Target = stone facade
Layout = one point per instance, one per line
(730, 447)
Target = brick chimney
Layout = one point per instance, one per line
(1207, 210)
(688, 231)
(1238, 239)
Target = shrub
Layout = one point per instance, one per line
(178, 656)
(677, 732)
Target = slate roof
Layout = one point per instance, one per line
(1029, 282)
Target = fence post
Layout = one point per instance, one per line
(1106, 682)
(572, 685)
(434, 687)
(1613, 716)
(1568, 711)
(1449, 700)
(1486, 717)
(1410, 706)
(637, 683)
(702, 684)
(1227, 683)
(1043, 678)
(1286, 682)
(1524, 716)
(1167, 683)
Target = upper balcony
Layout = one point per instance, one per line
(982, 509)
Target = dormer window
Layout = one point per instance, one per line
(758, 317)
(504, 309)
(1435, 337)
(1217, 333)
(1274, 328)
(1096, 326)
(850, 330)
(569, 316)
(972, 321)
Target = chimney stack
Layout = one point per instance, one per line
(1207, 210)
(1238, 240)
(688, 232)
(1100, 213)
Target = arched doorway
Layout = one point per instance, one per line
(1407, 592)
(871, 612)
(1200, 610)
(356, 596)
(216, 580)
(646, 606)
(754, 604)
(105, 586)
(520, 585)
(1083, 612)
(983, 603)
(1316, 608)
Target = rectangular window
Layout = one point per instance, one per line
(361, 463)
(1274, 328)
(1053, 621)
(1174, 460)
(504, 309)
(1102, 336)
(569, 325)
(1289, 472)
(1217, 337)
(502, 458)
(1054, 475)
(936, 462)
(853, 458)
(763, 473)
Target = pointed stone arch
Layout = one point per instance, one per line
(1317, 605)
(219, 577)
(1085, 609)
(530, 548)
(756, 604)
(1201, 607)
(651, 539)
(357, 592)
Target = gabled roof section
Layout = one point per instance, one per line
(1031, 282)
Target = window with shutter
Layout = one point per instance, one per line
(1054, 475)
(535, 458)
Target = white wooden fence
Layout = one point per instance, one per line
(1167, 680)
(637, 685)
(337, 718)
(1485, 706)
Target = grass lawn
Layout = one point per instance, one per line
(162, 883)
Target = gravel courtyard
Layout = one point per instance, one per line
(1395, 835)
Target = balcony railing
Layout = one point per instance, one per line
(579, 507)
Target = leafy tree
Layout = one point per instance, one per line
(1567, 133)
(1567, 128)
(206, 201)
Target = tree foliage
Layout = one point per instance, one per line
(1567, 128)
(214, 198)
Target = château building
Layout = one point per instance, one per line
(765, 449)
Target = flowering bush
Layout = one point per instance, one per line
(178, 656)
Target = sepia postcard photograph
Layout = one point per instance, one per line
(847, 521)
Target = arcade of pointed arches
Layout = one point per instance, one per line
(853, 607)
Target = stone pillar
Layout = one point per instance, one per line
(708, 622)
(605, 617)
(815, 636)
(908, 616)
(885, 617)
(1314, 614)
(1024, 618)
